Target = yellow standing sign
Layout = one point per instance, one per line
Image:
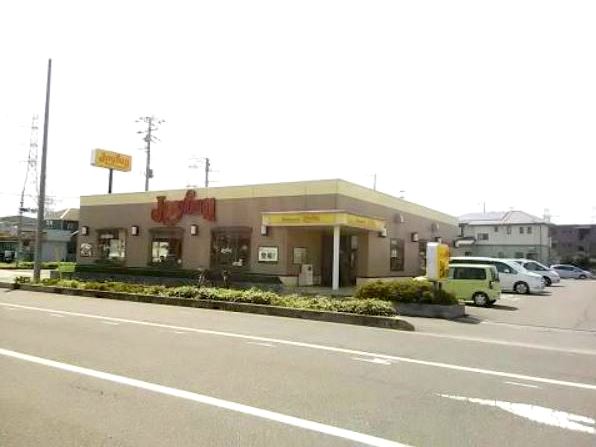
(437, 261)
(111, 160)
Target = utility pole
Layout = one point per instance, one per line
(207, 170)
(31, 165)
(152, 123)
(194, 163)
(42, 182)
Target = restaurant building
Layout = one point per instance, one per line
(330, 232)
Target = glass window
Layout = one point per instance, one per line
(469, 273)
(529, 230)
(503, 268)
(230, 248)
(396, 255)
(519, 254)
(422, 254)
(508, 230)
(496, 229)
(166, 246)
(483, 236)
(521, 230)
(111, 245)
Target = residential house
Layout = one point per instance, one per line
(506, 234)
(59, 236)
(571, 242)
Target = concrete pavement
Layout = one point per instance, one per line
(450, 384)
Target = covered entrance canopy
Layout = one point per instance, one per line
(335, 219)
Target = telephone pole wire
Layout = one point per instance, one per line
(152, 126)
(42, 182)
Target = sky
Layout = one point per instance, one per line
(455, 105)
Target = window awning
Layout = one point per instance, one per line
(322, 218)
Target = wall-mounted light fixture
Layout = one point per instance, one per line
(194, 229)
(134, 230)
(383, 232)
(414, 237)
(264, 230)
(84, 230)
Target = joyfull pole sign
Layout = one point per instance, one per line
(111, 160)
(437, 261)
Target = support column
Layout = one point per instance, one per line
(335, 277)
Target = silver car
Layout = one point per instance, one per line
(549, 275)
(571, 271)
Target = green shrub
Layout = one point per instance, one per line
(406, 291)
(444, 297)
(22, 280)
(363, 306)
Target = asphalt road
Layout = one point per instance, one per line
(80, 371)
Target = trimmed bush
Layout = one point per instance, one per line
(364, 306)
(405, 291)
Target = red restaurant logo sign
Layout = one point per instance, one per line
(170, 212)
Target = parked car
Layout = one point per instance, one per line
(571, 271)
(550, 275)
(513, 277)
(475, 282)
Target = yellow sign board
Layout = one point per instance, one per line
(300, 219)
(437, 261)
(111, 160)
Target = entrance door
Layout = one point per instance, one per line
(348, 259)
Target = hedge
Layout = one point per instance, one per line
(404, 291)
(160, 272)
(255, 296)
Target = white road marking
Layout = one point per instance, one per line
(57, 315)
(258, 343)
(542, 415)
(522, 384)
(208, 400)
(493, 341)
(376, 360)
(179, 332)
(354, 352)
(111, 323)
(510, 297)
(540, 328)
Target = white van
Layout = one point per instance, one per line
(513, 276)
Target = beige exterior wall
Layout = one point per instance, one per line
(242, 207)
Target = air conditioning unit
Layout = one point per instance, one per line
(306, 276)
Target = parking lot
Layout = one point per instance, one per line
(571, 304)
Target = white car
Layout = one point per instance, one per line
(550, 275)
(571, 271)
(513, 277)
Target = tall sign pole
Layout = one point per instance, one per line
(42, 182)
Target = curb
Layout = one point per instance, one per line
(261, 309)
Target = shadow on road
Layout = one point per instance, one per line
(468, 319)
(503, 307)
(494, 306)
